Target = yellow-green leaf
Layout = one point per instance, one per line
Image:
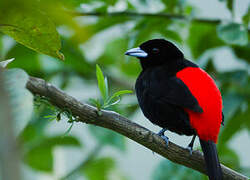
(32, 28)
(118, 94)
(102, 83)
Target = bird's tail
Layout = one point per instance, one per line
(211, 159)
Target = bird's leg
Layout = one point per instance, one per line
(191, 144)
(161, 134)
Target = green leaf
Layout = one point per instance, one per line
(230, 5)
(169, 34)
(1, 46)
(198, 40)
(99, 169)
(95, 103)
(117, 95)
(242, 52)
(246, 114)
(130, 6)
(40, 155)
(35, 130)
(60, 141)
(27, 60)
(229, 157)
(246, 17)
(233, 33)
(102, 8)
(20, 98)
(108, 137)
(101, 83)
(32, 28)
(232, 126)
(29, 134)
(40, 158)
(75, 59)
(112, 2)
(114, 55)
(51, 117)
(171, 6)
(169, 170)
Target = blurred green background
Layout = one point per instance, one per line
(215, 34)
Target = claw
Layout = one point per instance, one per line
(161, 132)
(165, 138)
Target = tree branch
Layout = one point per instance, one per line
(152, 15)
(135, 14)
(120, 124)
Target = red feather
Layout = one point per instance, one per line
(204, 89)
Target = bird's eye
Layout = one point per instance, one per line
(155, 50)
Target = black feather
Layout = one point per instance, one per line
(211, 159)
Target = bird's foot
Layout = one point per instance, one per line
(165, 138)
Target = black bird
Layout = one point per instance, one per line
(177, 95)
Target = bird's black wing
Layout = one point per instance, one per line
(172, 90)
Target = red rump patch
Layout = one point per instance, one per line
(204, 89)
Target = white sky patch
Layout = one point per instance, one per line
(150, 7)
(120, 6)
(95, 47)
(240, 143)
(8, 44)
(91, 6)
(224, 60)
(204, 9)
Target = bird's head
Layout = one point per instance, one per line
(155, 52)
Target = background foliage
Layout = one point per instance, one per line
(40, 34)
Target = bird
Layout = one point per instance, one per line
(177, 95)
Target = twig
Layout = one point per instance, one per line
(120, 124)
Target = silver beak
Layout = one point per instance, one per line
(136, 52)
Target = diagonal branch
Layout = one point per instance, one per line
(145, 14)
(120, 124)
